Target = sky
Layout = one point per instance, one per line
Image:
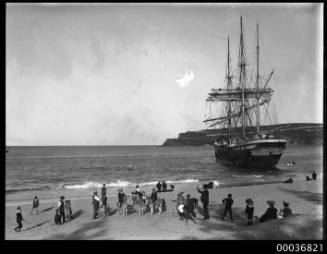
(136, 74)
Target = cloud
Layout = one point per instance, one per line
(185, 79)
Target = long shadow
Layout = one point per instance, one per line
(47, 209)
(37, 225)
(77, 214)
(88, 231)
(315, 198)
(112, 211)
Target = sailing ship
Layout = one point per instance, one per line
(243, 143)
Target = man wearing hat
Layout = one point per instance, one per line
(61, 207)
(271, 212)
(205, 201)
(249, 209)
(228, 202)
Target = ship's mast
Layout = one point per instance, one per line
(242, 78)
(257, 85)
(229, 86)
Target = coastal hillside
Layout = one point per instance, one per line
(295, 133)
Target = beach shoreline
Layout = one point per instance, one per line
(305, 199)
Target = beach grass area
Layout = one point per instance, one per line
(305, 198)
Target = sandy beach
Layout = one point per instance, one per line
(305, 199)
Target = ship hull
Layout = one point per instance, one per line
(261, 153)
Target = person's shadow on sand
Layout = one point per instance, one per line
(47, 209)
(37, 225)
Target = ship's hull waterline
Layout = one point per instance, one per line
(261, 153)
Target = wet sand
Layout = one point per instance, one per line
(305, 199)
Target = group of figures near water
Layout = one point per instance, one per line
(185, 207)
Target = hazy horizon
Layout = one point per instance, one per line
(136, 74)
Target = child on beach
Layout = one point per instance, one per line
(286, 211)
(249, 209)
(228, 202)
(35, 204)
(19, 219)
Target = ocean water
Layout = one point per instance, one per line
(84, 167)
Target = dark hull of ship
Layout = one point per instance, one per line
(260, 154)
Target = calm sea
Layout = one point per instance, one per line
(83, 167)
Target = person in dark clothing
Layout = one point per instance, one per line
(205, 201)
(249, 209)
(61, 207)
(35, 204)
(189, 208)
(158, 186)
(154, 197)
(228, 202)
(96, 205)
(286, 211)
(314, 175)
(138, 192)
(19, 219)
(104, 201)
(121, 196)
(164, 186)
(103, 191)
(271, 212)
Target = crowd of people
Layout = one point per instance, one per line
(185, 206)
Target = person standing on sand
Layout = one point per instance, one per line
(103, 191)
(154, 197)
(19, 219)
(164, 186)
(61, 207)
(314, 175)
(158, 186)
(271, 212)
(228, 202)
(121, 196)
(249, 209)
(35, 204)
(189, 209)
(205, 201)
(96, 205)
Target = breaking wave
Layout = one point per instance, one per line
(119, 183)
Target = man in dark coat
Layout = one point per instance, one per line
(228, 202)
(314, 175)
(61, 207)
(189, 208)
(154, 197)
(158, 186)
(103, 191)
(205, 201)
(164, 186)
(271, 212)
(121, 196)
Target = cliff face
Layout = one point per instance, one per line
(295, 133)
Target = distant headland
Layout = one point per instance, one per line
(295, 133)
